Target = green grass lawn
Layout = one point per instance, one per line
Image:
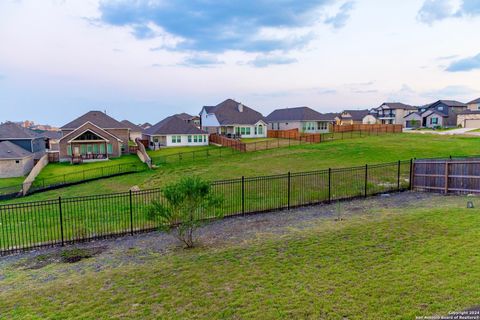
(417, 259)
(253, 140)
(8, 182)
(306, 157)
(175, 150)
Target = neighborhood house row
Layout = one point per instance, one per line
(97, 136)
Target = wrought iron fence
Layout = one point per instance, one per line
(68, 220)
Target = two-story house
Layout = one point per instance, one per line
(393, 112)
(470, 118)
(232, 118)
(442, 113)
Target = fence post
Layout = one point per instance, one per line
(398, 175)
(412, 173)
(329, 184)
(446, 176)
(288, 190)
(131, 213)
(243, 194)
(61, 219)
(366, 180)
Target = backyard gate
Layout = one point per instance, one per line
(447, 175)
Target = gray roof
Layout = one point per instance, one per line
(398, 105)
(173, 125)
(133, 127)
(185, 116)
(449, 103)
(474, 101)
(356, 115)
(98, 118)
(54, 135)
(145, 125)
(10, 130)
(297, 114)
(227, 113)
(9, 150)
(470, 112)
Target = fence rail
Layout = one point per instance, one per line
(62, 221)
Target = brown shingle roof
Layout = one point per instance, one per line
(356, 115)
(10, 130)
(9, 150)
(98, 118)
(173, 125)
(398, 105)
(133, 127)
(297, 114)
(227, 113)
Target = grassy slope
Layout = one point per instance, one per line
(61, 168)
(175, 150)
(389, 264)
(8, 182)
(346, 153)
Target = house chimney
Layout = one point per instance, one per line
(240, 107)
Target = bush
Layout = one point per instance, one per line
(186, 200)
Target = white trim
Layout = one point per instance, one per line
(94, 126)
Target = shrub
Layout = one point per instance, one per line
(186, 200)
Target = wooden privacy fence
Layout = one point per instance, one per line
(377, 128)
(296, 135)
(447, 175)
(228, 142)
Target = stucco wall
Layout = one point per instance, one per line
(9, 168)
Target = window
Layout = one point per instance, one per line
(83, 149)
(109, 148)
(17, 161)
(242, 130)
(195, 139)
(237, 129)
(179, 139)
(433, 120)
(69, 150)
(89, 148)
(247, 131)
(189, 138)
(205, 138)
(440, 108)
(260, 129)
(102, 149)
(88, 135)
(176, 139)
(95, 148)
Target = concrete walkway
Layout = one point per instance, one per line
(459, 131)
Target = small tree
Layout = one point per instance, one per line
(186, 200)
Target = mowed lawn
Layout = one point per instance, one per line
(416, 259)
(176, 150)
(306, 157)
(10, 182)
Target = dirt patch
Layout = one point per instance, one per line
(68, 255)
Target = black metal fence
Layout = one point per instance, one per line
(68, 220)
(68, 179)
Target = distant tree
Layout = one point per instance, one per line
(186, 201)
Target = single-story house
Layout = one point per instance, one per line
(135, 131)
(442, 113)
(14, 160)
(232, 118)
(393, 112)
(174, 132)
(25, 138)
(348, 117)
(93, 136)
(195, 120)
(304, 119)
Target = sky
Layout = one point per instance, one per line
(145, 60)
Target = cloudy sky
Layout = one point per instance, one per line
(144, 60)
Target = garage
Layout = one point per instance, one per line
(472, 123)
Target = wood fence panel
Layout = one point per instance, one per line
(447, 176)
